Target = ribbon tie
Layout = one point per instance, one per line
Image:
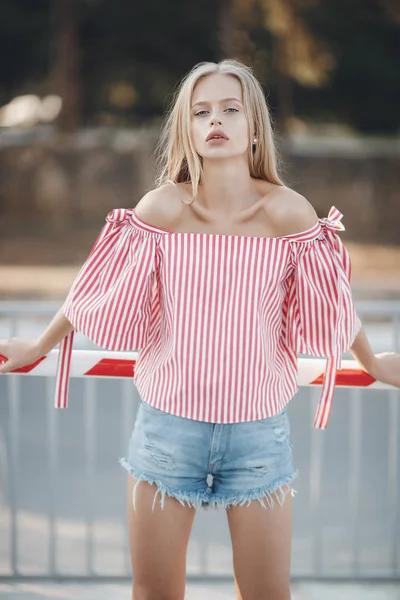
(333, 220)
(118, 215)
(334, 361)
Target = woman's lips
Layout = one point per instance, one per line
(216, 133)
(217, 140)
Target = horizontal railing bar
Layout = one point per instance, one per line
(194, 578)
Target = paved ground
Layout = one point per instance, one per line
(300, 591)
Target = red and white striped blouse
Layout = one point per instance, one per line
(218, 319)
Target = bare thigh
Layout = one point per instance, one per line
(158, 544)
(261, 544)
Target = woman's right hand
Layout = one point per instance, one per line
(17, 352)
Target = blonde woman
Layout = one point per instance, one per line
(220, 276)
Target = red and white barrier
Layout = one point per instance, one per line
(101, 363)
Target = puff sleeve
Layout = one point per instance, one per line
(110, 299)
(321, 317)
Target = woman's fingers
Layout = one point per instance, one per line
(16, 353)
(5, 365)
(3, 356)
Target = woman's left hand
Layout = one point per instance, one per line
(386, 368)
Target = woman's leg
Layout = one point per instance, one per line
(261, 543)
(158, 544)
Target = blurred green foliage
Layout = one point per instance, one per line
(331, 60)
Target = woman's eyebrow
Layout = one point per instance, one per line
(221, 101)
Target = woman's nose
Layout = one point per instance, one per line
(215, 121)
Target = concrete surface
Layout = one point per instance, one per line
(215, 591)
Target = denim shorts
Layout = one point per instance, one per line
(211, 465)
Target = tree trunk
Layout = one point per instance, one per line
(282, 83)
(225, 29)
(66, 64)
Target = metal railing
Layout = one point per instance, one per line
(62, 492)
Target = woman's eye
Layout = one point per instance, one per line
(204, 111)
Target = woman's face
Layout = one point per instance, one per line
(217, 106)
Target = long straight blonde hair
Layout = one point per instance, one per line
(176, 157)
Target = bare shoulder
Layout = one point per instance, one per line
(289, 211)
(160, 207)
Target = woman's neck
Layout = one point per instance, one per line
(226, 187)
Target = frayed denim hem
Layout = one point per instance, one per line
(261, 493)
(194, 499)
(207, 500)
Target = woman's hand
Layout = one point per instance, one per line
(21, 351)
(386, 368)
(17, 352)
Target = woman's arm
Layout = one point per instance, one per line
(57, 330)
(21, 351)
(384, 367)
(362, 352)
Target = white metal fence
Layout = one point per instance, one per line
(62, 492)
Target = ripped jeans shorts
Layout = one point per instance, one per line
(211, 465)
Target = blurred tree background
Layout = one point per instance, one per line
(116, 62)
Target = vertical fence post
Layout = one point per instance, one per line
(13, 385)
(52, 455)
(90, 453)
(14, 436)
(354, 473)
(316, 459)
(128, 415)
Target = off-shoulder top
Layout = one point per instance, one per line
(218, 320)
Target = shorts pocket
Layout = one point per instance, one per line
(148, 408)
(281, 416)
(276, 431)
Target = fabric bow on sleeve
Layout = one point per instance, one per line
(110, 299)
(321, 318)
(334, 220)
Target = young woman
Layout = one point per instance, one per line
(221, 275)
